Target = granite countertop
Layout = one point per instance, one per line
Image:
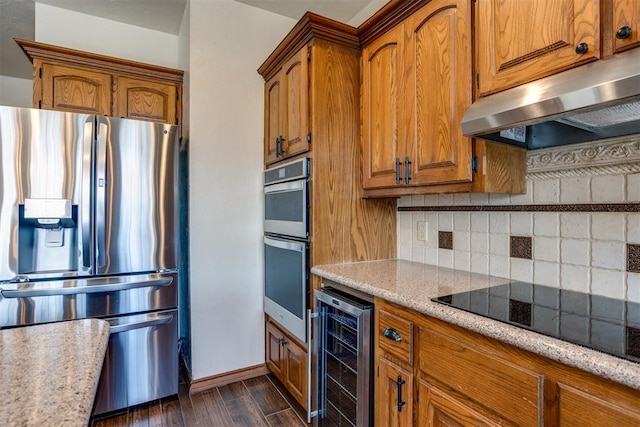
(412, 285)
(49, 373)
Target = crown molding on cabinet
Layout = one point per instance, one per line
(310, 26)
(110, 64)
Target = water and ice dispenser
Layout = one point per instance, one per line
(47, 236)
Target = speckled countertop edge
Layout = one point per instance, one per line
(412, 285)
(50, 372)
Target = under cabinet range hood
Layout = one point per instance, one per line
(594, 101)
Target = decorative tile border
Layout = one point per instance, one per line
(594, 207)
(610, 156)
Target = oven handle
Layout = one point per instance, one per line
(285, 187)
(91, 289)
(150, 321)
(290, 245)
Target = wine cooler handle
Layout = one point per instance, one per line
(312, 354)
(401, 402)
(392, 334)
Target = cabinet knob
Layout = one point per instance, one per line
(623, 32)
(582, 48)
(392, 334)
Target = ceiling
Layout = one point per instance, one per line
(17, 19)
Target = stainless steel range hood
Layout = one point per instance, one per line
(595, 101)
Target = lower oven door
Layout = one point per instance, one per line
(286, 290)
(141, 363)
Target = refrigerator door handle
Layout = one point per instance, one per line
(86, 194)
(101, 190)
(91, 289)
(149, 321)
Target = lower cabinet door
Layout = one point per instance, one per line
(436, 408)
(579, 408)
(296, 378)
(274, 339)
(393, 395)
(141, 363)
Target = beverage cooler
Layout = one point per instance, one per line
(343, 359)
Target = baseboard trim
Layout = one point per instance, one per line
(225, 378)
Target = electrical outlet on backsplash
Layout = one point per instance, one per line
(577, 227)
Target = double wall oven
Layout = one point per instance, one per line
(286, 245)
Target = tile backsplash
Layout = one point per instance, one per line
(597, 252)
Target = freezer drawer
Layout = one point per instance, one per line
(30, 303)
(141, 363)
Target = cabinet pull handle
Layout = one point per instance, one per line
(401, 402)
(392, 334)
(279, 150)
(398, 171)
(582, 48)
(623, 32)
(407, 170)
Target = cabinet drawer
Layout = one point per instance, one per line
(395, 336)
(513, 392)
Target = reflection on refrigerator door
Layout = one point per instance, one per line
(145, 345)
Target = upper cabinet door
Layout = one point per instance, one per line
(382, 81)
(74, 89)
(273, 107)
(523, 40)
(438, 63)
(626, 24)
(146, 100)
(295, 80)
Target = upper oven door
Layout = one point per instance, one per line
(286, 209)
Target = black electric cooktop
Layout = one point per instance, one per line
(605, 324)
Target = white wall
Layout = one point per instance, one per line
(15, 92)
(579, 251)
(229, 41)
(80, 31)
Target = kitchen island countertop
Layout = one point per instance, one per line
(412, 285)
(50, 372)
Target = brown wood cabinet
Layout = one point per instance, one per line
(71, 80)
(287, 359)
(74, 89)
(520, 41)
(287, 109)
(326, 55)
(394, 378)
(626, 24)
(463, 378)
(438, 408)
(416, 86)
(393, 404)
(146, 100)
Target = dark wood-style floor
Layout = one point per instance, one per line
(260, 401)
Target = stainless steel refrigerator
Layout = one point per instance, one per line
(88, 228)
